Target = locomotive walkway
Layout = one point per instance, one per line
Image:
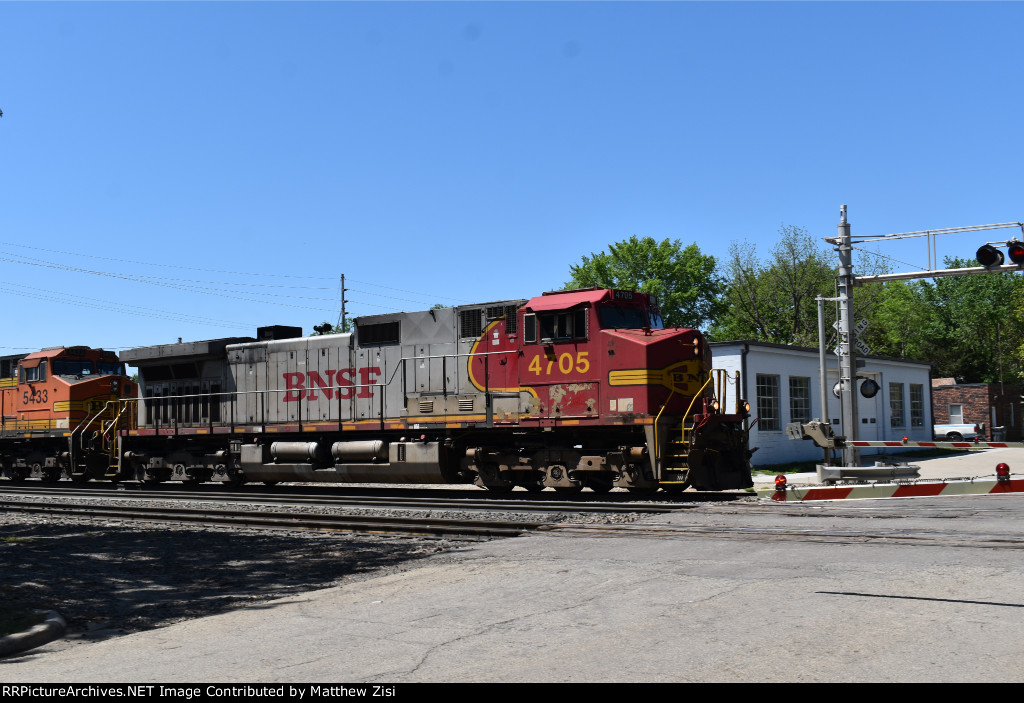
(897, 590)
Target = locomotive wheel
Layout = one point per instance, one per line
(534, 487)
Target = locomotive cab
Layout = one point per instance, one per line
(604, 357)
(58, 388)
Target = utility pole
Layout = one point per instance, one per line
(342, 322)
(847, 348)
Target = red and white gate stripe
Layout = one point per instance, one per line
(941, 445)
(894, 490)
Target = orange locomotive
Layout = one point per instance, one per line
(55, 406)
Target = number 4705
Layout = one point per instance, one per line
(566, 364)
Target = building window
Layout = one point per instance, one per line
(768, 402)
(916, 405)
(896, 416)
(956, 414)
(799, 399)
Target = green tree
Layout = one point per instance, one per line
(898, 319)
(974, 332)
(773, 300)
(968, 327)
(686, 282)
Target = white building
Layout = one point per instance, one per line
(781, 383)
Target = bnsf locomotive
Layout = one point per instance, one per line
(567, 390)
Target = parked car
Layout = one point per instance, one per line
(956, 433)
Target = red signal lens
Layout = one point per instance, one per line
(780, 483)
(1003, 471)
(1016, 251)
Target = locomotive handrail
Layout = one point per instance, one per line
(665, 405)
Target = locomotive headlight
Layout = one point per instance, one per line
(114, 385)
(715, 405)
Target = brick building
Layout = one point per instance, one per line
(988, 405)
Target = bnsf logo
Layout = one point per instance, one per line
(338, 384)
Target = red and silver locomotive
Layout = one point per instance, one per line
(567, 390)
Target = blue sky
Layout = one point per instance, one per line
(219, 165)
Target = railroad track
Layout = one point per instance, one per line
(256, 518)
(390, 514)
(532, 504)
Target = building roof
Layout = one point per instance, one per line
(813, 350)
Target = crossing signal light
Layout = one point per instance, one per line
(1015, 249)
(989, 256)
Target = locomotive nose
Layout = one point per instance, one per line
(665, 368)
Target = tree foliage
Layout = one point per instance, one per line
(686, 282)
(326, 327)
(773, 300)
(967, 326)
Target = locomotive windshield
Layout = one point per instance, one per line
(627, 317)
(85, 367)
(68, 367)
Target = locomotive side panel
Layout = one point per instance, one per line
(489, 353)
(247, 370)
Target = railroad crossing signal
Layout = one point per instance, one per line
(989, 256)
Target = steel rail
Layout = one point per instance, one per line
(533, 504)
(428, 527)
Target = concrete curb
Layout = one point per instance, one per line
(51, 628)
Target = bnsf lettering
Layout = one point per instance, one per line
(339, 383)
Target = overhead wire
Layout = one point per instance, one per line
(177, 284)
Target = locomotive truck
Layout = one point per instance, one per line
(566, 390)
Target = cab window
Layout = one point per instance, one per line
(564, 325)
(34, 374)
